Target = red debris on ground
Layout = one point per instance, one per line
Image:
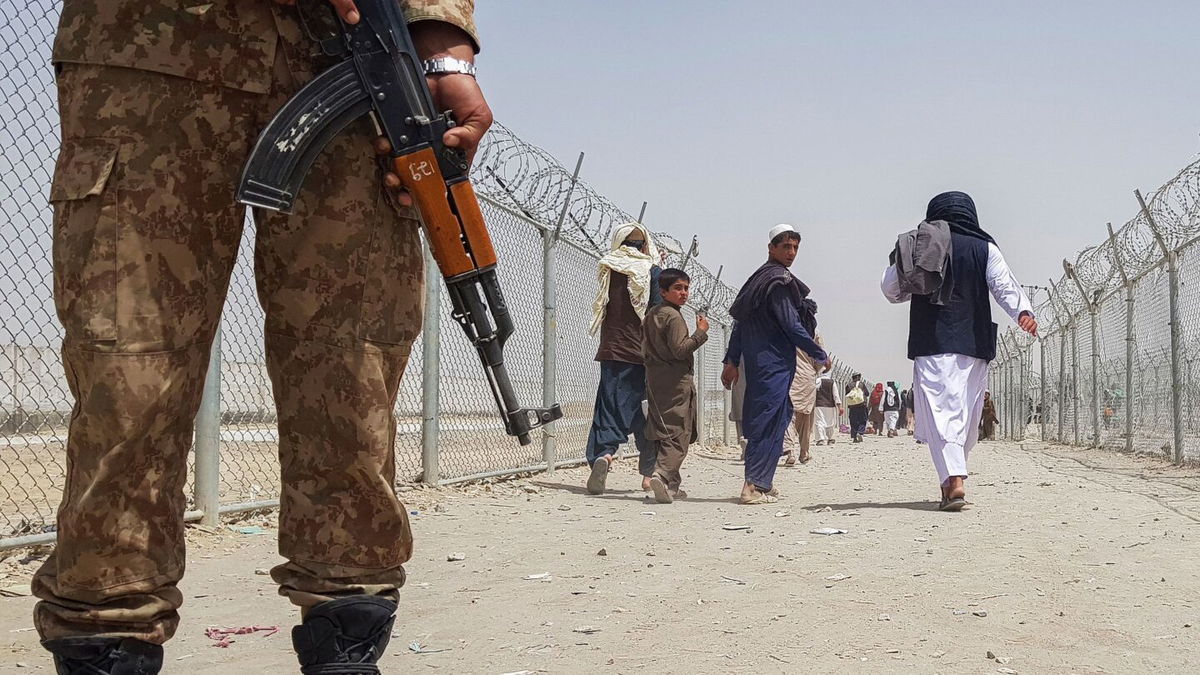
(223, 635)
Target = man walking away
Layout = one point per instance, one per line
(891, 408)
(628, 286)
(856, 401)
(774, 318)
(670, 384)
(951, 339)
(827, 410)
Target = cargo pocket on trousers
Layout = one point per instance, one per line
(84, 196)
(393, 296)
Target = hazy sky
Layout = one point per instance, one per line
(844, 118)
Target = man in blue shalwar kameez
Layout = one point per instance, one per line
(773, 318)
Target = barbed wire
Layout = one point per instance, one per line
(529, 179)
(1133, 250)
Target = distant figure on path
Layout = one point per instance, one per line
(670, 383)
(990, 419)
(876, 417)
(906, 411)
(891, 408)
(857, 401)
(951, 338)
(628, 287)
(773, 318)
(828, 409)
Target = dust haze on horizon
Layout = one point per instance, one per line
(843, 119)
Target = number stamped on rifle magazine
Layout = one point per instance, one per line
(419, 170)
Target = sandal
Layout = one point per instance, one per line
(661, 494)
(595, 481)
(952, 504)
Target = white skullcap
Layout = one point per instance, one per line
(778, 230)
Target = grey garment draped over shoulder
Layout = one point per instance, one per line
(922, 260)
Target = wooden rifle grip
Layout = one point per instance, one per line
(420, 175)
(474, 229)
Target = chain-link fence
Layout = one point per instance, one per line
(549, 230)
(1115, 366)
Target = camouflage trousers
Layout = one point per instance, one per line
(146, 231)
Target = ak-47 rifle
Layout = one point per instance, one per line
(380, 75)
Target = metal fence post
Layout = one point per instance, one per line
(1129, 347)
(549, 344)
(1041, 407)
(431, 347)
(1090, 303)
(1074, 382)
(1096, 403)
(996, 385)
(550, 322)
(1000, 393)
(1003, 399)
(1062, 383)
(726, 397)
(1014, 381)
(206, 490)
(1176, 328)
(1129, 338)
(1010, 386)
(701, 395)
(1026, 408)
(1013, 394)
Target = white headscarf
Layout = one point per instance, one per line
(632, 263)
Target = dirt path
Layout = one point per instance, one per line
(1070, 561)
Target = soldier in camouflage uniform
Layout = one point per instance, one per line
(160, 105)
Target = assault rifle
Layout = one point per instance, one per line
(380, 76)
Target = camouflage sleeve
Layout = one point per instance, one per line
(460, 13)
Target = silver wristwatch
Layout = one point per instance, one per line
(448, 64)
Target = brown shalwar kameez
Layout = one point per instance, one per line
(671, 424)
(803, 393)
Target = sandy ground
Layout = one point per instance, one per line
(1070, 561)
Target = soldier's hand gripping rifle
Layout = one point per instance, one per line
(381, 75)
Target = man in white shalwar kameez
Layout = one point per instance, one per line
(951, 344)
(828, 408)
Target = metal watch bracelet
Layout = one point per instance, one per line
(448, 64)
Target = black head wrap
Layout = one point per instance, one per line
(957, 209)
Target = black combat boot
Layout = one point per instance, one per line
(105, 656)
(344, 636)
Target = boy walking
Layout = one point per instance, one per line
(667, 350)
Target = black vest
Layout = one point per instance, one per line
(825, 398)
(964, 324)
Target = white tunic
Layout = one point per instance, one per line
(948, 388)
(825, 420)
